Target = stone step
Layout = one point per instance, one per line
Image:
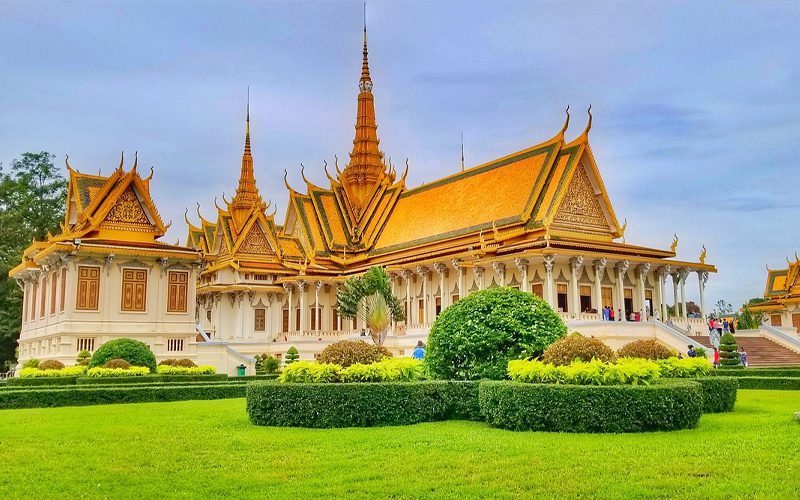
(760, 351)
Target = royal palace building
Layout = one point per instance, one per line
(538, 219)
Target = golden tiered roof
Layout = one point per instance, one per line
(108, 214)
(783, 287)
(547, 196)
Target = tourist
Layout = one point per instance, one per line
(419, 351)
(716, 357)
(725, 326)
(713, 337)
(610, 314)
(691, 353)
(743, 356)
(733, 329)
(680, 355)
(619, 315)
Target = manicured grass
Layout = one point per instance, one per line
(201, 449)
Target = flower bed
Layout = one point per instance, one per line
(185, 370)
(70, 371)
(386, 370)
(626, 371)
(668, 405)
(133, 371)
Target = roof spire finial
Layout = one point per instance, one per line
(462, 150)
(566, 122)
(365, 84)
(247, 126)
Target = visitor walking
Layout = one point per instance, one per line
(743, 356)
(733, 329)
(725, 326)
(419, 351)
(716, 357)
(610, 314)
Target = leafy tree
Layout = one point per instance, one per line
(370, 298)
(32, 201)
(722, 308)
(749, 320)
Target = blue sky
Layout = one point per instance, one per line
(695, 103)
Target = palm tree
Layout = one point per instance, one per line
(369, 297)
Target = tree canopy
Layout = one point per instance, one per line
(32, 200)
(369, 297)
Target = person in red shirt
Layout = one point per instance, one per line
(716, 357)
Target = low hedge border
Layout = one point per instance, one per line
(152, 384)
(757, 372)
(85, 396)
(770, 383)
(28, 382)
(668, 405)
(719, 393)
(365, 404)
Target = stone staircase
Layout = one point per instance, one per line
(760, 351)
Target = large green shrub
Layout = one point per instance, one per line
(729, 356)
(134, 352)
(477, 336)
(567, 349)
(349, 405)
(719, 393)
(347, 352)
(85, 396)
(645, 348)
(670, 405)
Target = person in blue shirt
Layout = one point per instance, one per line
(419, 351)
(691, 352)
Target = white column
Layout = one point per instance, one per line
(675, 279)
(500, 271)
(549, 293)
(407, 277)
(460, 277)
(575, 266)
(301, 287)
(522, 265)
(318, 309)
(702, 277)
(444, 296)
(599, 268)
(621, 268)
(288, 287)
(422, 271)
(684, 273)
(641, 275)
(478, 271)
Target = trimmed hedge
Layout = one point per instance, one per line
(770, 383)
(719, 393)
(360, 404)
(85, 396)
(758, 372)
(670, 405)
(49, 381)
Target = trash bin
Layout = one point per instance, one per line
(240, 370)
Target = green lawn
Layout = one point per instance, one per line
(209, 449)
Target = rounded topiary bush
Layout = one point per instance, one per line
(645, 348)
(348, 352)
(51, 364)
(477, 336)
(567, 349)
(729, 356)
(184, 362)
(117, 363)
(134, 352)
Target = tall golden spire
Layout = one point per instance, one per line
(247, 193)
(366, 168)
